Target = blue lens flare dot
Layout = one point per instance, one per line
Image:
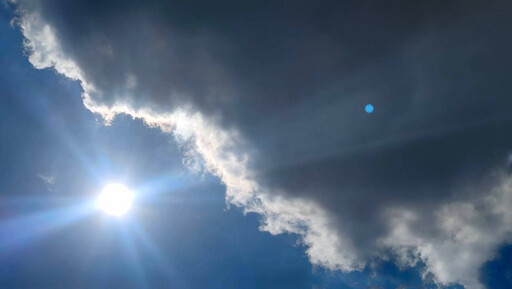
(369, 108)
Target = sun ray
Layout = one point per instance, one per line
(22, 230)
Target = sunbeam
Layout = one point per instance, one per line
(22, 230)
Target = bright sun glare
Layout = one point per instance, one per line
(115, 199)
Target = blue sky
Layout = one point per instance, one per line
(56, 156)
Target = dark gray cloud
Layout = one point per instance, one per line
(292, 77)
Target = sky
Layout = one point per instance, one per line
(270, 144)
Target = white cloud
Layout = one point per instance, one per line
(47, 179)
(468, 234)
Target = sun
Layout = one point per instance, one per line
(115, 200)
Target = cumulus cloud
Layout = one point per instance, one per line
(467, 235)
(269, 97)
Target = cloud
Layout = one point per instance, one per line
(468, 233)
(270, 98)
(47, 179)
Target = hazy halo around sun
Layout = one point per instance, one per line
(115, 199)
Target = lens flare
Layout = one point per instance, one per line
(369, 108)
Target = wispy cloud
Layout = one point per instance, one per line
(50, 180)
